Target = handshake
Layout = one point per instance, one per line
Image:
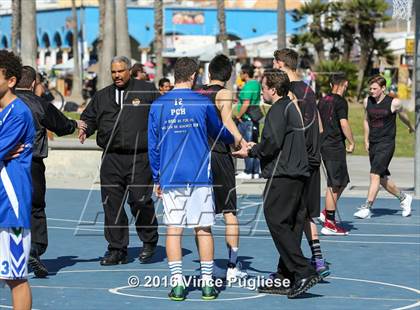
(241, 151)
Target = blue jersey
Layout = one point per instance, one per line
(179, 125)
(16, 127)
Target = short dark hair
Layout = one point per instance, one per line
(137, 67)
(220, 68)
(278, 79)
(288, 56)
(28, 77)
(184, 68)
(378, 79)
(338, 78)
(162, 81)
(248, 69)
(10, 65)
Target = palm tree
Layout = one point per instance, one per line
(108, 44)
(347, 27)
(16, 23)
(123, 39)
(281, 24)
(315, 9)
(28, 34)
(76, 91)
(158, 44)
(366, 15)
(221, 18)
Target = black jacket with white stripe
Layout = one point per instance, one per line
(121, 125)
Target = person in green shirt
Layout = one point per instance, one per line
(249, 98)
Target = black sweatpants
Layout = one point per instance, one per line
(39, 233)
(127, 176)
(284, 217)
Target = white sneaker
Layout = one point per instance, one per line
(235, 273)
(363, 212)
(256, 176)
(243, 175)
(406, 205)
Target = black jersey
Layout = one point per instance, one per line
(211, 91)
(332, 109)
(382, 121)
(307, 104)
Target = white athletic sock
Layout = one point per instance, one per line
(233, 255)
(176, 273)
(206, 272)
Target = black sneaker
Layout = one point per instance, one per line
(147, 252)
(114, 258)
(302, 285)
(272, 288)
(37, 267)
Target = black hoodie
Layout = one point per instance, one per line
(282, 150)
(46, 116)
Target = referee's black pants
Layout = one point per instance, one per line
(127, 176)
(39, 234)
(282, 204)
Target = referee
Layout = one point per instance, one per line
(46, 116)
(119, 112)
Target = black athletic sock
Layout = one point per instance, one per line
(315, 249)
(369, 204)
(401, 196)
(330, 215)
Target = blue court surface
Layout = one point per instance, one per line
(376, 267)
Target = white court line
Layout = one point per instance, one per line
(10, 307)
(257, 237)
(350, 234)
(116, 290)
(240, 219)
(119, 270)
(359, 223)
(387, 284)
(70, 287)
(369, 298)
(332, 241)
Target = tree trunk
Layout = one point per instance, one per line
(108, 47)
(100, 43)
(363, 63)
(281, 24)
(28, 34)
(348, 41)
(16, 23)
(319, 48)
(123, 39)
(158, 44)
(221, 18)
(76, 90)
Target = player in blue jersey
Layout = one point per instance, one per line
(179, 124)
(16, 128)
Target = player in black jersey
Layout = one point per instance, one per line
(287, 61)
(380, 130)
(333, 109)
(222, 166)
